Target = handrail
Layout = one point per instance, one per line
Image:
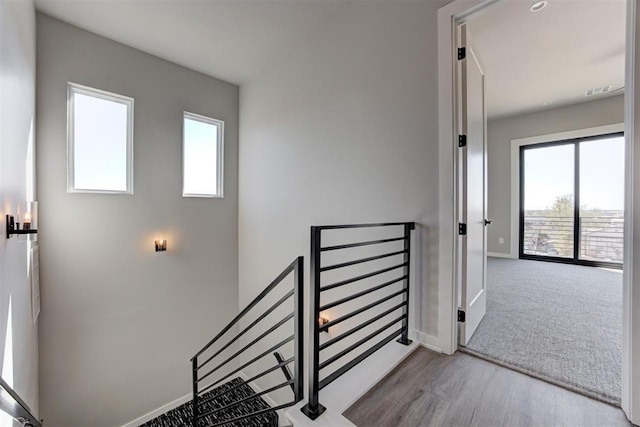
(13, 405)
(596, 240)
(212, 365)
(313, 409)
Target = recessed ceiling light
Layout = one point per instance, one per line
(538, 6)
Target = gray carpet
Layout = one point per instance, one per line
(561, 323)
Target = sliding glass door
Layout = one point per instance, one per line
(572, 201)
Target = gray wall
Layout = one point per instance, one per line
(344, 131)
(119, 321)
(499, 135)
(17, 108)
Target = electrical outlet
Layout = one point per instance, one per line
(501, 240)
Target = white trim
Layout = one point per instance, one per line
(448, 17)
(515, 169)
(73, 88)
(630, 280)
(219, 194)
(499, 255)
(159, 411)
(427, 341)
(447, 171)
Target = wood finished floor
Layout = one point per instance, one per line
(432, 389)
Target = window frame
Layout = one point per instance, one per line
(73, 88)
(219, 154)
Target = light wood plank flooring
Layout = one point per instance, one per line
(432, 389)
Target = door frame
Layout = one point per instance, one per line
(449, 16)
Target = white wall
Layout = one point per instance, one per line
(501, 132)
(17, 108)
(119, 321)
(344, 131)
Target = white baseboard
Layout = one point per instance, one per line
(428, 341)
(500, 255)
(159, 411)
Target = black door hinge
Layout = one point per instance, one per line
(462, 229)
(462, 53)
(461, 316)
(462, 140)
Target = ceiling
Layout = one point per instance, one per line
(229, 39)
(546, 59)
(533, 61)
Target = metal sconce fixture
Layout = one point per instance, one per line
(161, 245)
(322, 321)
(28, 229)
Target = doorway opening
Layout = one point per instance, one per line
(561, 320)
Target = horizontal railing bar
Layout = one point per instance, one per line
(238, 402)
(285, 370)
(381, 224)
(549, 219)
(252, 304)
(550, 228)
(271, 350)
(360, 261)
(335, 375)
(359, 294)
(362, 277)
(582, 218)
(356, 245)
(360, 310)
(607, 240)
(260, 375)
(358, 343)
(255, 322)
(12, 404)
(253, 414)
(359, 327)
(262, 335)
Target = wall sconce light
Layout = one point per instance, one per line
(161, 245)
(28, 229)
(322, 321)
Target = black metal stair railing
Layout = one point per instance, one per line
(389, 305)
(14, 406)
(275, 337)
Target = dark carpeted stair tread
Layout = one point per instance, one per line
(181, 416)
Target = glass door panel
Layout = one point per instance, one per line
(602, 199)
(547, 186)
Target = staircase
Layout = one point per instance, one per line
(234, 399)
(359, 276)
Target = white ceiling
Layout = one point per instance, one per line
(230, 39)
(533, 61)
(542, 60)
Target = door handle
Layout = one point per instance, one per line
(487, 222)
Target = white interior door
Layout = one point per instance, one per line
(473, 299)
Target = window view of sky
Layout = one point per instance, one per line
(200, 157)
(549, 173)
(602, 174)
(100, 144)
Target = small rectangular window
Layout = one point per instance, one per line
(202, 154)
(100, 141)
